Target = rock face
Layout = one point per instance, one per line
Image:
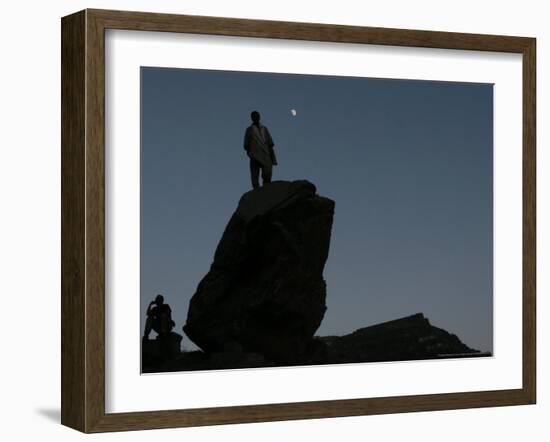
(409, 338)
(163, 348)
(265, 292)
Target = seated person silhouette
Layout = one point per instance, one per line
(159, 318)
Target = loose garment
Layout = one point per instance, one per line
(259, 145)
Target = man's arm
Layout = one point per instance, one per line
(247, 139)
(268, 138)
(270, 144)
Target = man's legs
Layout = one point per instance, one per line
(254, 173)
(266, 173)
(148, 327)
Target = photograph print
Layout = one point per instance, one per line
(298, 220)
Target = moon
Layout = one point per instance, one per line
(293, 112)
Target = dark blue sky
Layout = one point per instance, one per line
(409, 164)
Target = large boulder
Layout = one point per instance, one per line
(265, 291)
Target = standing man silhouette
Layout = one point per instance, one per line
(259, 148)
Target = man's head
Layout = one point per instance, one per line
(255, 117)
(159, 300)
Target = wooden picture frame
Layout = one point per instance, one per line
(83, 220)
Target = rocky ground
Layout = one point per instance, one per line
(265, 296)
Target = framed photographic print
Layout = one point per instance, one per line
(270, 220)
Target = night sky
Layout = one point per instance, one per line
(408, 163)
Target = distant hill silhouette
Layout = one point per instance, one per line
(409, 338)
